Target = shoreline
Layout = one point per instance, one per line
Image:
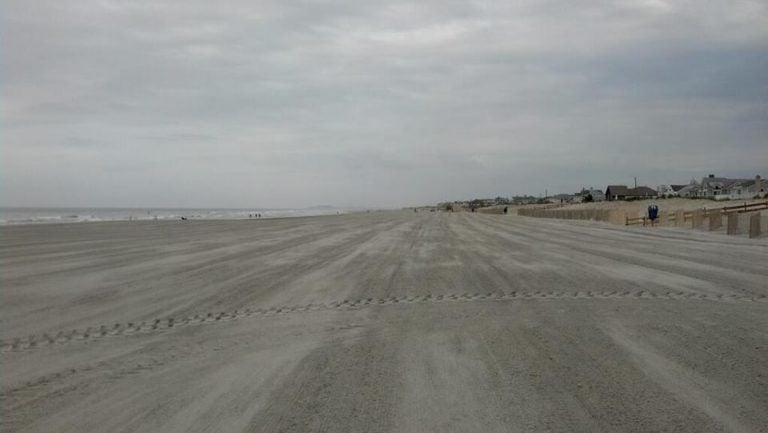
(68, 221)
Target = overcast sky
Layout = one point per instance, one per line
(352, 102)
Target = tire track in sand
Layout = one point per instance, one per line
(166, 324)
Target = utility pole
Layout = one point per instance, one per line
(635, 182)
(546, 193)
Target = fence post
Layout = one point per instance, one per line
(679, 217)
(754, 225)
(697, 219)
(715, 220)
(733, 223)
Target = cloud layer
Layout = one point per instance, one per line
(240, 104)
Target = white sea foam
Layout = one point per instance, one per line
(16, 216)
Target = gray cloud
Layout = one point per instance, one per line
(359, 103)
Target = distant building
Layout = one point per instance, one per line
(747, 189)
(563, 198)
(669, 190)
(718, 187)
(622, 192)
(723, 188)
(690, 190)
(597, 195)
(616, 192)
(642, 192)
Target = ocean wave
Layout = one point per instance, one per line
(21, 216)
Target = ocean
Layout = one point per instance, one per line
(40, 215)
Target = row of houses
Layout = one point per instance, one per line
(718, 188)
(613, 192)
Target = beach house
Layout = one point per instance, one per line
(616, 192)
(622, 192)
(745, 190)
(669, 190)
(723, 188)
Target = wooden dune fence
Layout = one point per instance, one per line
(696, 218)
(714, 218)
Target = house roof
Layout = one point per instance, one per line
(617, 190)
(745, 184)
(689, 188)
(622, 190)
(722, 181)
(642, 191)
(677, 188)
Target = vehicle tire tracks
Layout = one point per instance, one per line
(167, 324)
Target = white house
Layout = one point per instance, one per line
(747, 189)
(669, 190)
(723, 188)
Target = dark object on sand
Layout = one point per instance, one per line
(183, 218)
(506, 209)
(653, 212)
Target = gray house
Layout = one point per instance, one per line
(725, 188)
(622, 192)
(747, 190)
(597, 195)
(616, 192)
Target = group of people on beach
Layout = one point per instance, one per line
(250, 215)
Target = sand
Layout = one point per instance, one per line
(389, 321)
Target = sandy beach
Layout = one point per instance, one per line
(379, 322)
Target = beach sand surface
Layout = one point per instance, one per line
(382, 322)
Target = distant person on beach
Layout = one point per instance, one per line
(506, 209)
